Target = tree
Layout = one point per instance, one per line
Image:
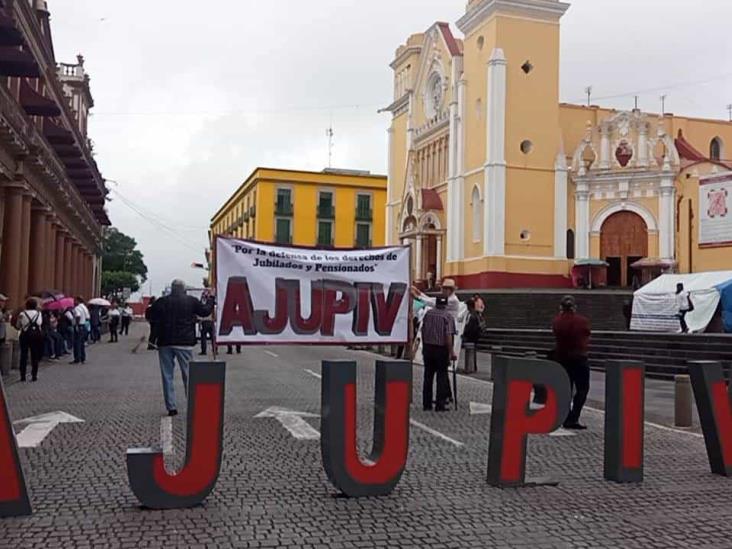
(122, 263)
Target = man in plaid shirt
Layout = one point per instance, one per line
(438, 331)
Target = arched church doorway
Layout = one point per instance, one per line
(623, 241)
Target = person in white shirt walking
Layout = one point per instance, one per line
(81, 317)
(684, 305)
(30, 325)
(126, 313)
(114, 319)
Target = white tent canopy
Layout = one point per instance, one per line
(655, 309)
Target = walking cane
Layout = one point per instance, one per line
(454, 384)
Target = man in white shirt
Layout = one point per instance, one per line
(683, 306)
(81, 317)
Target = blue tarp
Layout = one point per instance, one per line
(725, 291)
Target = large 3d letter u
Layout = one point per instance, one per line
(153, 486)
(338, 442)
(13, 494)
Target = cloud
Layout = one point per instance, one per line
(191, 97)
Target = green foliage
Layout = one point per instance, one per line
(121, 254)
(113, 282)
(122, 264)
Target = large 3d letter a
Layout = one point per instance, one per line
(14, 500)
(151, 483)
(512, 420)
(338, 444)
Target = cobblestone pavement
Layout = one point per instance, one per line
(272, 491)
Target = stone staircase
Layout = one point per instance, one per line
(664, 355)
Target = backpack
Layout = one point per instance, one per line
(32, 330)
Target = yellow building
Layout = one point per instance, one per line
(332, 208)
(498, 184)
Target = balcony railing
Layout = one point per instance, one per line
(364, 214)
(362, 244)
(325, 242)
(326, 212)
(253, 211)
(283, 209)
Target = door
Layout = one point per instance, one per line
(624, 240)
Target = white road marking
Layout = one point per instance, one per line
(270, 353)
(166, 436)
(561, 432)
(39, 427)
(438, 434)
(477, 408)
(292, 421)
(314, 374)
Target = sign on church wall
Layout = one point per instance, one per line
(715, 211)
(275, 294)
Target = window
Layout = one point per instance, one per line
(477, 215)
(325, 206)
(363, 235)
(284, 202)
(363, 207)
(526, 146)
(527, 67)
(283, 234)
(715, 149)
(325, 233)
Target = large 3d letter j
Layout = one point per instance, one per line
(151, 483)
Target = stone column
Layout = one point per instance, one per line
(494, 218)
(10, 261)
(25, 234)
(438, 271)
(418, 262)
(667, 219)
(560, 206)
(38, 252)
(605, 153)
(58, 275)
(68, 286)
(75, 268)
(51, 252)
(582, 221)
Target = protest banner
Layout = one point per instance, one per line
(269, 294)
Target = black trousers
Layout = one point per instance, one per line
(230, 349)
(113, 323)
(125, 330)
(436, 360)
(682, 321)
(206, 334)
(578, 369)
(35, 350)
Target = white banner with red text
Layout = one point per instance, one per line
(269, 294)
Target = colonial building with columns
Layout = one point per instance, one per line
(496, 183)
(52, 195)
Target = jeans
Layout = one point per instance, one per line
(167, 357)
(79, 347)
(578, 369)
(35, 349)
(436, 360)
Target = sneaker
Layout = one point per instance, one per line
(172, 413)
(427, 408)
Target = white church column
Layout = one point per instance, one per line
(582, 221)
(455, 222)
(495, 167)
(438, 273)
(418, 275)
(643, 146)
(667, 219)
(560, 207)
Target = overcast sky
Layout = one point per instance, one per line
(191, 96)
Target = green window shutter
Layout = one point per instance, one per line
(283, 231)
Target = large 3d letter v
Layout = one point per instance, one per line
(338, 443)
(14, 500)
(512, 420)
(151, 483)
(715, 413)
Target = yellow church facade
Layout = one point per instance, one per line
(496, 183)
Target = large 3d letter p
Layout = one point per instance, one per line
(512, 420)
(151, 483)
